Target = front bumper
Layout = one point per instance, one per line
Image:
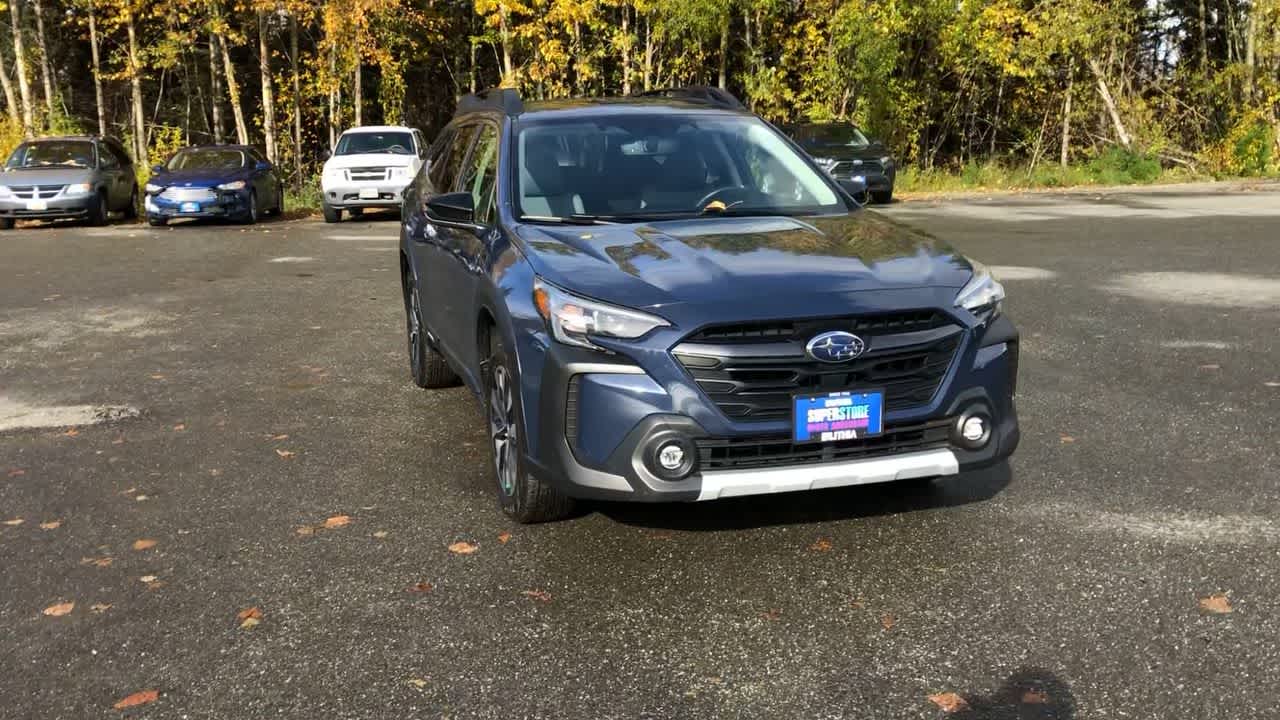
(223, 204)
(599, 423)
(354, 194)
(52, 209)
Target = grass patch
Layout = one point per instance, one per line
(1113, 167)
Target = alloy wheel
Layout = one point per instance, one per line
(415, 329)
(502, 428)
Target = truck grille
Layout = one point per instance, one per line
(367, 174)
(778, 451)
(751, 371)
(35, 192)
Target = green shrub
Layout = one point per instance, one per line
(1117, 166)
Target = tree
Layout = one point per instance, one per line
(20, 66)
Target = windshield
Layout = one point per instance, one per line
(221, 159)
(56, 153)
(834, 135)
(634, 166)
(357, 143)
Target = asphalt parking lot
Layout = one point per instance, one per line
(268, 523)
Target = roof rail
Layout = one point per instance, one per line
(505, 99)
(698, 93)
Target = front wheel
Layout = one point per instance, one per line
(6, 223)
(883, 197)
(278, 209)
(250, 216)
(98, 209)
(523, 497)
(157, 220)
(332, 214)
(131, 210)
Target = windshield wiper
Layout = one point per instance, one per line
(575, 219)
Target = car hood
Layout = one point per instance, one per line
(46, 176)
(199, 177)
(338, 162)
(748, 259)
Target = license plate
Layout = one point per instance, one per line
(830, 417)
(37, 205)
(368, 193)
(189, 207)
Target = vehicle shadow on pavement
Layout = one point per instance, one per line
(1028, 694)
(814, 506)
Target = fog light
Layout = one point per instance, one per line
(671, 456)
(973, 429)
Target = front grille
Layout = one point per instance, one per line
(189, 194)
(35, 192)
(846, 169)
(365, 174)
(754, 377)
(778, 451)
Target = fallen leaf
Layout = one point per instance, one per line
(1211, 366)
(306, 530)
(143, 544)
(1217, 604)
(381, 534)
(17, 472)
(141, 498)
(422, 587)
(130, 491)
(249, 623)
(504, 537)
(948, 701)
(1035, 697)
(118, 441)
(100, 608)
(279, 437)
(214, 472)
(462, 547)
(1269, 383)
(771, 614)
(14, 521)
(539, 595)
(821, 545)
(248, 614)
(100, 562)
(50, 525)
(179, 427)
(1067, 439)
(337, 521)
(71, 432)
(138, 698)
(148, 579)
(887, 621)
(59, 610)
(286, 454)
(157, 376)
(418, 682)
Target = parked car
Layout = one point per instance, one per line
(853, 159)
(370, 168)
(232, 182)
(53, 178)
(662, 298)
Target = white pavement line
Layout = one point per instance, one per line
(291, 259)
(1198, 288)
(1196, 345)
(1018, 272)
(1191, 528)
(19, 416)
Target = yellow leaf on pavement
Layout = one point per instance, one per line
(60, 609)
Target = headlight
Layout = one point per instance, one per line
(886, 161)
(573, 319)
(78, 189)
(153, 189)
(982, 292)
(5, 192)
(400, 171)
(827, 164)
(333, 173)
(233, 185)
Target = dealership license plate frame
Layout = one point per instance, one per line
(873, 398)
(37, 205)
(189, 207)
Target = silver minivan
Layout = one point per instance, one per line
(52, 178)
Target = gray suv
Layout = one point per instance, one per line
(67, 177)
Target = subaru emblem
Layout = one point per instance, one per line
(836, 346)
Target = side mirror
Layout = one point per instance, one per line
(456, 207)
(857, 187)
(157, 169)
(262, 166)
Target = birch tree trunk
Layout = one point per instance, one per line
(648, 55)
(46, 74)
(626, 52)
(215, 89)
(11, 99)
(1110, 104)
(233, 93)
(1065, 156)
(724, 50)
(268, 97)
(297, 100)
(97, 71)
(504, 34)
(20, 66)
(357, 94)
(135, 85)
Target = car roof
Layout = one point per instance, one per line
(216, 146)
(377, 128)
(54, 138)
(604, 107)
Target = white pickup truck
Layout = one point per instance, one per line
(370, 168)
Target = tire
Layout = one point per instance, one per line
(428, 367)
(882, 197)
(523, 497)
(6, 223)
(98, 211)
(278, 209)
(131, 210)
(157, 221)
(250, 216)
(332, 214)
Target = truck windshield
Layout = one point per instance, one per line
(632, 167)
(359, 143)
(53, 153)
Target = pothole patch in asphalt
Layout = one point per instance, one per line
(15, 415)
(1189, 528)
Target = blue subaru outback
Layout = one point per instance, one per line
(663, 299)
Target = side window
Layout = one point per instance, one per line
(121, 155)
(106, 159)
(256, 157)
(445, 172)
(482, 174)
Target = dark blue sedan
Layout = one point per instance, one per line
(214, 181)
